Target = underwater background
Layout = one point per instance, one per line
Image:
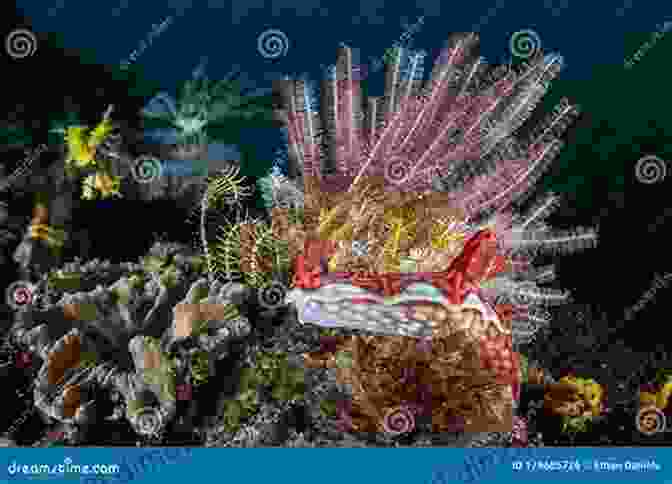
(625, 110)
(93, 54)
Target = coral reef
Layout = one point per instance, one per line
(82, 335)
(387, 297)
(369, 171)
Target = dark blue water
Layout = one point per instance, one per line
(226, 33)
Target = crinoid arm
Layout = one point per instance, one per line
(538, 241)
(279, 191)
(460, 139)
(224, 257)
(225, 187)
(228, 187)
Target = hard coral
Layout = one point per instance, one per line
(443, 380)
(65, 357)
